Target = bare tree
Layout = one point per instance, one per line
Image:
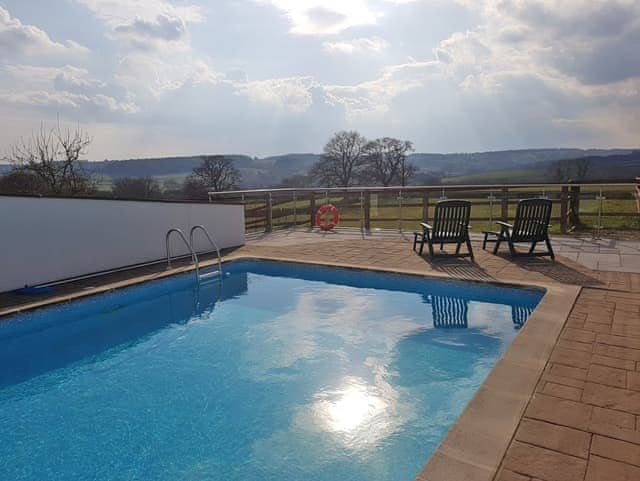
(216, 172)
(566, 170)
(342, 161)
(53, 157)
(386, 161)
(582, 167)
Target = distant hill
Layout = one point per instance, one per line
(533, 165)
(459, 164)
(600, 167)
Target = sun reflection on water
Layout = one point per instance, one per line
(355, 412)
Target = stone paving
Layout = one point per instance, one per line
(583, 422)
(609, 255)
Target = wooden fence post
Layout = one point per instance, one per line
(268, 221)
(367, 210)
(425, 207)
(574, 206)
(504, 204)
(312, 210)
(564, 208)
(638, 194)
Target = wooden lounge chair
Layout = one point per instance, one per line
(450, 226)
(530, 226)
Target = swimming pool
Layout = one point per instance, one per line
(282, 371)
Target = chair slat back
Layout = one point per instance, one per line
(532, 220)
(450, 220)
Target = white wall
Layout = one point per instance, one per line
(48, 239)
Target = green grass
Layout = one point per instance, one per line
(499, 177)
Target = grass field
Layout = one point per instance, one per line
(499, 177)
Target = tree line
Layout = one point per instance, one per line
(48, 163)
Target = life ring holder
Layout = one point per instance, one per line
(327, 225)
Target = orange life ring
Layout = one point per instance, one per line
(323, 210)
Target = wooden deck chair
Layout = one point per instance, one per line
(450, 226)
(530, 226)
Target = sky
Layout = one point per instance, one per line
(180, 77)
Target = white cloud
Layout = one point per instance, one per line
(118, 12)
(321, 17)
(69, 89)
(356, 46)
(68, 101)
(376, 96)
(161, 32)
(18, 39)
(291, 94)
(151, 75)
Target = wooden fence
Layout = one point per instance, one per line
(576, 206)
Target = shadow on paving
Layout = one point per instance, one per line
(554, 270)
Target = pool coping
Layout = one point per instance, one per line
(476, 443)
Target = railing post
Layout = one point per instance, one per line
(367, 211)
(268, 213)
(400, 210)
(425, 207)
(574, 206)
(564, 208)
(504, 203)
(312, 210)
(295, 210)
(491, 198)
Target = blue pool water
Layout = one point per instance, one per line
(281, 372)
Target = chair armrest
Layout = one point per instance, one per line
(504, 224)
(426, 226)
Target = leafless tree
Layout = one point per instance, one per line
(342, 161)
(53, 155)
(582, 167)
(572, 169)
(216, 172)
(386, 161)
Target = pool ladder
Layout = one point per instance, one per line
(191, 248)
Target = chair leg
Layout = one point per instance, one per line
(431, 249)
(458, 248)
(512, 248)
(548, 242)
(422, 245)
(470, 248)
(497, 246)
(441, 246)
(532, 248)
(484, 242)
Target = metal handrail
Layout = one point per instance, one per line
(412, 188)
(211, 241)
(194, 257)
